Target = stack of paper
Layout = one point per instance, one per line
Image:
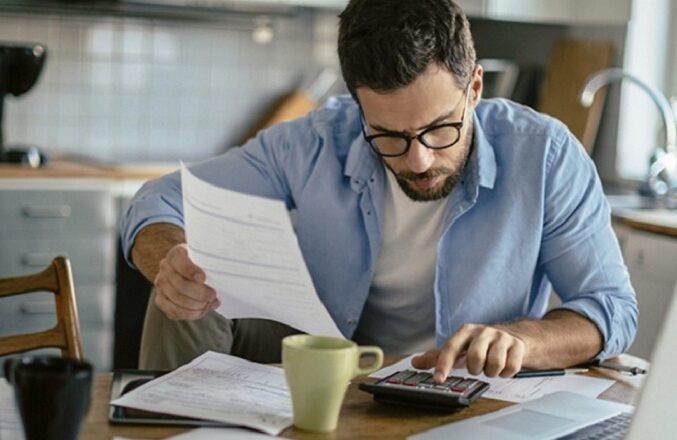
(219, 387)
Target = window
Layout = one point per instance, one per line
(649, 55)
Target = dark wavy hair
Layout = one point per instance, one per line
(386, 44)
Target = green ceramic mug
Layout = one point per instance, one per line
(318, 370)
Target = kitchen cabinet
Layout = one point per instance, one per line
(38, 224)
(652, 263)
(570, 12)
(573, 12)
(71, 209)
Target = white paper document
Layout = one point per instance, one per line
(220, 434)
(248, 248)
(518, 390)
(10, 421)
(219, 387)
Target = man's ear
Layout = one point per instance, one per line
(476, 85)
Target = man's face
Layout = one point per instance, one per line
(433, 99)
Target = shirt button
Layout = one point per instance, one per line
(350, 321)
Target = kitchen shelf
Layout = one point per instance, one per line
(113, 8)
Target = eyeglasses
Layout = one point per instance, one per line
(437, 137)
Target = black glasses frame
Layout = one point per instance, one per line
(419, 137)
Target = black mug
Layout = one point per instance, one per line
(52, 395)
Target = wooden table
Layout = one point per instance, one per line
(361, 417)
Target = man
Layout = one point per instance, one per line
(429, 220)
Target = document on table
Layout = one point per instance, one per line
(214, 434)
(219, 387)
(518, 390)
(248, 248)
(10, 421)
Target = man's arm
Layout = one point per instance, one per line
(152, 245)
(561, 338)
(160, 253)
(581, 258)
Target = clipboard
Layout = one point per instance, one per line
(125, 380)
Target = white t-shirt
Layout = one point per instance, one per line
(399, 315)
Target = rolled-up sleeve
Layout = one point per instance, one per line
(158, 201)
(580, 252)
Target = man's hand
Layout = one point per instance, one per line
(180, 289)
(160, 253)
(493, 351)
(560, 339)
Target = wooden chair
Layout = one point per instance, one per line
(57, 278)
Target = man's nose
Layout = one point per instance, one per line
(419, 157)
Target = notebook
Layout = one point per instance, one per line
(573, 417)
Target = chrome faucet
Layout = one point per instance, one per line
(661, 179)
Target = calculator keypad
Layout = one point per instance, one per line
(424, 381)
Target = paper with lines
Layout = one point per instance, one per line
(219, 387)
(249, 251)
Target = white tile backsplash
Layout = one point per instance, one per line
(128, 89)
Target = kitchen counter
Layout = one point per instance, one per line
(60, 175)
(77, 169)
(641, 213)
(662, 222)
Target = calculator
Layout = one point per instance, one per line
(417, 388)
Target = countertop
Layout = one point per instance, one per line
(63, 169)
(640, 213)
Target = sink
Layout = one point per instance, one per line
(644, 209)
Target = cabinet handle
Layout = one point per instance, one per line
(37, 308)
(40, 259)
(47, 211)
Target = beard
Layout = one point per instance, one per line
(406, 180)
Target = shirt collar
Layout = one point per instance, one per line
(486, 158)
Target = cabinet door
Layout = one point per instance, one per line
(561, 12)
(652, 264)
(92, 258)
(47, 212)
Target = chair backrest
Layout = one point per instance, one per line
(57, 278)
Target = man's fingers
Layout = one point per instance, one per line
(425, 360)
(173, 311)
(215, 304)
(178, 295)
(476, 356)
(489, 350)
(497, 355)
(451, 350)
(178, 259)
(193, 295)
(514, 359)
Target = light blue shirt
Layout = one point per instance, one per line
(528, 214)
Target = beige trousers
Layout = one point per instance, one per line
(168, 344)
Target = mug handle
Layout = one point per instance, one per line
(373, 367)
